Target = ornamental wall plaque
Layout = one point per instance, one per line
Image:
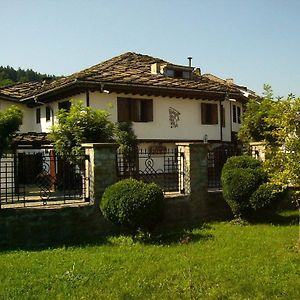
(173, 117)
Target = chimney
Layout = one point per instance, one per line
(155, 68)
(190, 61)
(229, 80)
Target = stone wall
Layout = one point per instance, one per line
(46, 226)
(198, 204)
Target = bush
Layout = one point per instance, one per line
(133, 204)
(242, 162)
(267, 196)
(241, 177)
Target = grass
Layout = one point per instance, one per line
(219, 261)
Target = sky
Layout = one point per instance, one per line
(252, 41)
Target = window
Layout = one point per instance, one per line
(209, 113)
(66, 105)
(223, 115)
(178, 74)
(38, 116)
(234, 113)
(48, 113)
(135, 110)
(239, 115)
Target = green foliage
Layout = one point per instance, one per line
(9, 76)
(126, 139)
(241, 162)
(283, 158)
(133, 204)
(10, 121)
(80, 125)
(274, 121)
(241, 177)
(128, 146)
(255, 125)
(268, 195)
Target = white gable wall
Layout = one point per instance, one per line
(27, 125)
(189, 124)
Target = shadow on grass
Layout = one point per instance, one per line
(285, 218)
(179, 235)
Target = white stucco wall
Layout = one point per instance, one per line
(27, 125)
(189, 124)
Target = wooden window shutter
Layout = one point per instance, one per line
(203, 113)
(38, 115)
(223, 115)
(123, 109)
(239, 115)
(147, 111)
(214, 114)
(134, 108)
(234, 113)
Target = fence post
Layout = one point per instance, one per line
(196, 182)
(102, 169)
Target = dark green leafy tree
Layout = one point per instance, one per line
(276, 122)
(127, 146)
(10, 121)
(80, 125)
(9, 76)
(255, 125)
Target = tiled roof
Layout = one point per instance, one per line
(21, 90)
(127, 69)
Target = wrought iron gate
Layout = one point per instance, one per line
(40, 177)
(165, 168)
(216, 159)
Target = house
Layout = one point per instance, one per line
(167, 103)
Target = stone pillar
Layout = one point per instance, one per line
(102, 169)
(196, 180)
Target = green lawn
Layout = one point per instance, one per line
(221, 261)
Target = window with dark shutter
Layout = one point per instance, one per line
(239, 115)
(66, 105)
(223, 115)
(48, 113)
(146, 111)
(38, 116)
(209, 113)
(123, 110)
(234, 113)
(135, 110)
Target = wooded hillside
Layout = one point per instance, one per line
(9, 76)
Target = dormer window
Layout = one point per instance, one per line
(178, 73)
(175, 71)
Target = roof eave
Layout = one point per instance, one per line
(133, 89)
(9, 98)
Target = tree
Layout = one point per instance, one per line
(80, 125)
(9, 76)
(10, 121)
(277, 123)
(127, 147)
(255, 126)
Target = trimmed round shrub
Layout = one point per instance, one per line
(241, 162)
(133, 204)
(267, 196)
(241, 177)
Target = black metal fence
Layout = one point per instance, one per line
(165, 167)
(38, 177)
(216, 159)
